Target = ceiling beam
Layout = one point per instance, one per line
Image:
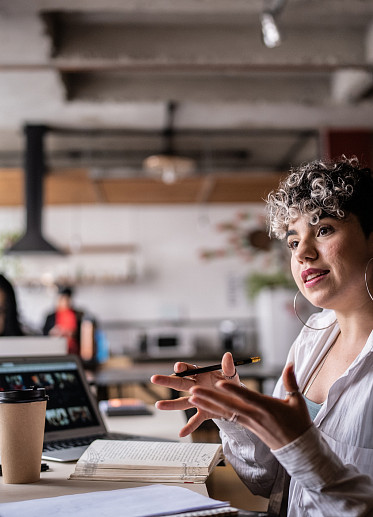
(350, 86)
(122, 87)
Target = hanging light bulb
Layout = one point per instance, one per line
(271, 34)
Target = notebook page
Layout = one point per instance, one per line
(147, 501)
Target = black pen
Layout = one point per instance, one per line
(215, 367)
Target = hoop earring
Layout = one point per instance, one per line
(366, 280)
(300, 319)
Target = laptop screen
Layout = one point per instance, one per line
(70, 406)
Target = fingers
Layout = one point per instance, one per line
(254, 398)
(206, 400)
(176, 383)
(181, 367)
(181, 403)
(193, 423)
(219, 403)
(228, 365)
(289, 380)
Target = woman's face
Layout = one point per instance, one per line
(2, 311)
(328, 261)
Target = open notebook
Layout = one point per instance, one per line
(73, 419)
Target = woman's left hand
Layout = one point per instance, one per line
(275, 421)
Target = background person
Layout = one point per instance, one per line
(65, 320)
(9, 322)
(310, 447)
(84, 338)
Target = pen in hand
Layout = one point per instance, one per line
(215, 367)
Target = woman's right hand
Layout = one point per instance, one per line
(185, 383)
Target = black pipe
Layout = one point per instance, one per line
(34, 171)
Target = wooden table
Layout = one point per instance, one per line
(55, 482)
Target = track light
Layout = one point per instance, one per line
(271, 34)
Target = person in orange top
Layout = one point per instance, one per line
(65, 320)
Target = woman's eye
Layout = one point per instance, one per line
(292, 245)
(324, 230)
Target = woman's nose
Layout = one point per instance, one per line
(306, 250)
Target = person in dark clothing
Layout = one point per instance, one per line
(9, 322)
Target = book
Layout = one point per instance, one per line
(124, 407)
(145, 501)
(155, 462)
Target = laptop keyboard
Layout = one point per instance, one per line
(87, 440)
(72, 442)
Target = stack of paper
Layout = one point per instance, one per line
(162, 462)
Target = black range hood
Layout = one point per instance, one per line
(34, 169)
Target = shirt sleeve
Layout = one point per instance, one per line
(251, 459)
(336, 488)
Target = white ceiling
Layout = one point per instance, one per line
(116, 65)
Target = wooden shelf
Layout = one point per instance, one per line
(80, 282)
(75, 186)
(102, 248)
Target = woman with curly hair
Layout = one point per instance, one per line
(309, 448)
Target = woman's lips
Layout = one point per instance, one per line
(312, 276)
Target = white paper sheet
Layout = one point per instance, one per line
(147, 501)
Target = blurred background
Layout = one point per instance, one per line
(138, 140)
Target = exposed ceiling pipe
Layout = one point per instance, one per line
(34, 170)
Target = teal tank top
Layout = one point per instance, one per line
(313, 407)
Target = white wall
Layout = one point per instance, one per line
(172, 280)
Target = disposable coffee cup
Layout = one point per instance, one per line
(22, 421)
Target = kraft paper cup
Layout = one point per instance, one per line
(22, 421)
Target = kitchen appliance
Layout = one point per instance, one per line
(169, 342)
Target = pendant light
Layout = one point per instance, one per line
(168, 166)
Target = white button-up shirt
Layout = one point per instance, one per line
(331, 464)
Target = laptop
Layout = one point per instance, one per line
(32, 345)
(73, 419)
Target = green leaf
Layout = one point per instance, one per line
(255, 282)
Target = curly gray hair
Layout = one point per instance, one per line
(322, 188)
